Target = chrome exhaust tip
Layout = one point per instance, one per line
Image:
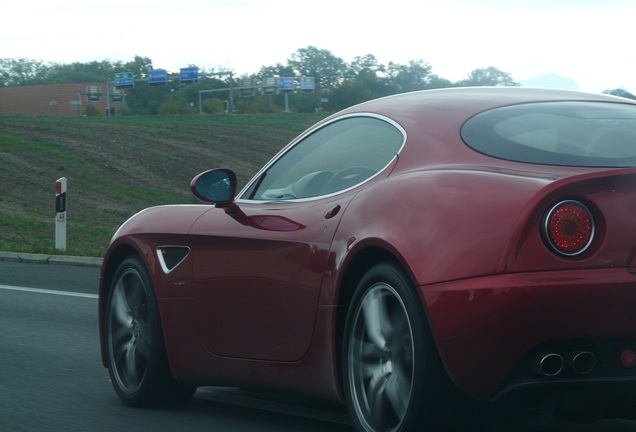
(583, 362)
(548, 364)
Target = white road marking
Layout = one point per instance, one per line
(46, 291)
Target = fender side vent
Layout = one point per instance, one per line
(171, 256)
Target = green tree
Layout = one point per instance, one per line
(343, 84)
(174, 106)
(620, 92)
(95, 71)
(364, 80)
(366, 64)
(435, 82)
(277, 70)
(490, 76)
(139, 66)
(142, 99)
(351, 92)
(213, 106)
(415, 75)
(326, 68)
(191, 91)
(22, 71)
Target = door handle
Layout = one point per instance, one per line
(334, 211)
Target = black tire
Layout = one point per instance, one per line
(136, 353)
(393, 379)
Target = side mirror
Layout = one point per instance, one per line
(217, 186)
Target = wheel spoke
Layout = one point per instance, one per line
(143, 346)
(376, 319)
(120, 337)
(120, 352)
(370, 359)
(401, 343)
(377, 399)
(398, 389)
(120, 307)
(131, 364)
(136, 296)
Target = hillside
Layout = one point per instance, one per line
(117, 166)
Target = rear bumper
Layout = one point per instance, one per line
(489, 330)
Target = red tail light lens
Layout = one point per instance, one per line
(569, 228)
(628, 358)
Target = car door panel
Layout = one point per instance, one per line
(257, 285)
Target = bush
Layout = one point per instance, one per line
(91, 111)
(213, 106)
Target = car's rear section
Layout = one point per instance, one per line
(553, 325)
(561, 310)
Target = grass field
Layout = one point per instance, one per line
(117, 166)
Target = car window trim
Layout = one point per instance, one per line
(263, 171)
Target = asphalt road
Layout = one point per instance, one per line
(51, 377)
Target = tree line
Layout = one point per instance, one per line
(338, 84)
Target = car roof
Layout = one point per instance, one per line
(476, 99)
(433, 119)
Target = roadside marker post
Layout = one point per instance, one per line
(60, 214)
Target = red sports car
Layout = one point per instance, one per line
(414, 257)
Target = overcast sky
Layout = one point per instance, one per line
(588, 41)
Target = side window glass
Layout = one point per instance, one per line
(336, 157)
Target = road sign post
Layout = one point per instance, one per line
(60, 214)
(286, 85)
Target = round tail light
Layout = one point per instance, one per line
(628, 358)
(569, 228)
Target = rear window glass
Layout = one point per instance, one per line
(588, 134)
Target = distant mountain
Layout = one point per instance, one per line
(551, 81)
